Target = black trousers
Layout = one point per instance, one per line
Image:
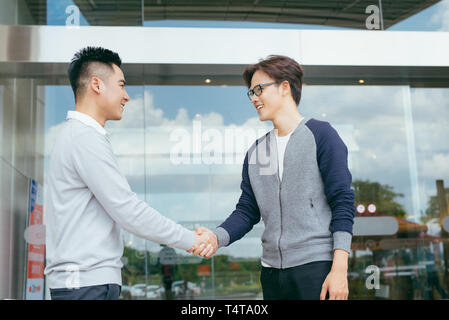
(298, 283)
(100, 292)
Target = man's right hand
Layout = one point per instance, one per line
(206, 243)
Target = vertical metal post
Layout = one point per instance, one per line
(142, 10)
(146, 269)
(381, 15)
(213, 276)
(443, 206)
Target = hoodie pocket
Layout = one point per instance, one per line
(314, 215)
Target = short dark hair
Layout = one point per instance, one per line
(279, 68)
(85, 64)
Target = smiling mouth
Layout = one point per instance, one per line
(259, 107)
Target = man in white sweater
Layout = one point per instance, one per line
(88, 198)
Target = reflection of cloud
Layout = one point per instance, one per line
(370, 119)
(143, 155)
(141, 119)
(431, 123)
(161, 135)
(377, 116)
(436, 167)
(441, 16)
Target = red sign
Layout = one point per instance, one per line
(36, 252)
(204, 270)
(35, 237)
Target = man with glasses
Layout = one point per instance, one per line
(296, 179)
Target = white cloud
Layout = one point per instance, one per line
(436, 167)
(370, 119)
(441, 16)
(131, 141)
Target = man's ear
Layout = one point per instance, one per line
(96, 84)
(285, 86)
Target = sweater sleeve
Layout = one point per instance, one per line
(332, 157)
(245, 215)
(96, 165)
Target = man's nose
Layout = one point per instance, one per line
(127, 98)
(254, 99)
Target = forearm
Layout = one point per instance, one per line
(340, 261)
(239, 223)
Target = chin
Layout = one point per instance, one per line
(263, 117)
(117, 117)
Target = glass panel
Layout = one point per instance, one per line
(130, 158)
(336, 15)
(430, 113)
(71, 12)
(388, 15)
(64, 12)
(433, 18)
(196, 139)
(185, 160)
(1, 120)
(373, 122)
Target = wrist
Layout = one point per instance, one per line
(339, 268)
(340, 262)
(223, 237)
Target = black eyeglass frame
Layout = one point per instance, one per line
(258, 88)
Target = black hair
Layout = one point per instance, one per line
(80, 71)
(279, 68)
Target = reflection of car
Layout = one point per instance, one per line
(177, 288)
(153, 292)
(125, 293)
(138, 291)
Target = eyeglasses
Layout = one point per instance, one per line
(258, 89)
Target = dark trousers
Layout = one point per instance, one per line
(100, 292)
(298, 283)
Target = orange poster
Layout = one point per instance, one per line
(35, 237)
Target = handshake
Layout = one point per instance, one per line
(206, 243)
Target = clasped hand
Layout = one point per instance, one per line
(206, 243)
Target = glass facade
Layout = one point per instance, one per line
(395, 158)
(181, 148)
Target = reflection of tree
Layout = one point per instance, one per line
(134, 268)
(433, 207)
(382, 195)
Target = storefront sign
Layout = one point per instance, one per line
(35, 237)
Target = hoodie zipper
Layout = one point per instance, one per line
(280, 207)
(280, 189)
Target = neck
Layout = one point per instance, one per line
(287, 121)
(91, 110)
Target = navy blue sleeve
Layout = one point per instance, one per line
(246, 213)
(332, 157)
